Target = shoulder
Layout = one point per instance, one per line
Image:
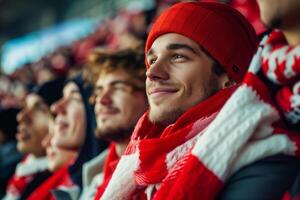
(93, 167)
(268, 178)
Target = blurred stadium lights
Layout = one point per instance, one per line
(32, 47)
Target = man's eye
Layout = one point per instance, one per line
(178, 58)
(120, 86)
(151, 61)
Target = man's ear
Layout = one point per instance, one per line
(226, 81)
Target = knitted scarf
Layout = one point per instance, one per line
(60, 178)
(192, 158)
(281, 66)
(24, 174)
(109, 168)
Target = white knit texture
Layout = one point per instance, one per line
(274, 57)
(31, 166)
(122, 182)
(255, 64)
(221, 143)
(290, 62)
(181, 150)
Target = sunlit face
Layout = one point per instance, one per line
(70, 120)
(119, 102)
(57, 157)
(179, 77)
(33, 122)
(280, 13)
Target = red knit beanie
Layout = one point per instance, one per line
(221, 30)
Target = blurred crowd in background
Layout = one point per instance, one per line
(126, 28)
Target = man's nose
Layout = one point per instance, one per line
(158, 70)
(105, 98)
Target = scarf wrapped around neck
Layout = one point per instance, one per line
(61, 178)
(192, 158)
(281, 66)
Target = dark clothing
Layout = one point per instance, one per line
(267, 179)
(294, 192)
(9, 158)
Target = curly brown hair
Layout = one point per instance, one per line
(102, 61)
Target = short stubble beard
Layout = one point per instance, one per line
(114, 134)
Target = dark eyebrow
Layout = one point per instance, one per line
(121, 81)
(98, 87)
(176, 46)
(125, 82)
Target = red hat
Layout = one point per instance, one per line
(221, 30)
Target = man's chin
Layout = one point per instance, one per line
(114, 134)
(23, 149)
(164, 117)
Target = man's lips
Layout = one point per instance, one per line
(156, 92)
(22, 135)
(105, 111)
(107, 114)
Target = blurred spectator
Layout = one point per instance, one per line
(25, 74)
(119, 99)
(58, 162)
(33, 122)
(12, 92)
(42, 71)
(249, 9)
(73, 134)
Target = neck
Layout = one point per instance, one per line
(121, 146)
(38, 155)
(292, 36)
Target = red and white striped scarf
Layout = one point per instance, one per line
(281, 65)
(25, 172)
(192, 158)
(60, 179)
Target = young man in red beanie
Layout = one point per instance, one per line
(191, 142)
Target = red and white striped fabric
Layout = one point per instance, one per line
(24, 174)
(281, 65)
(60, 179)
(192, 158)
